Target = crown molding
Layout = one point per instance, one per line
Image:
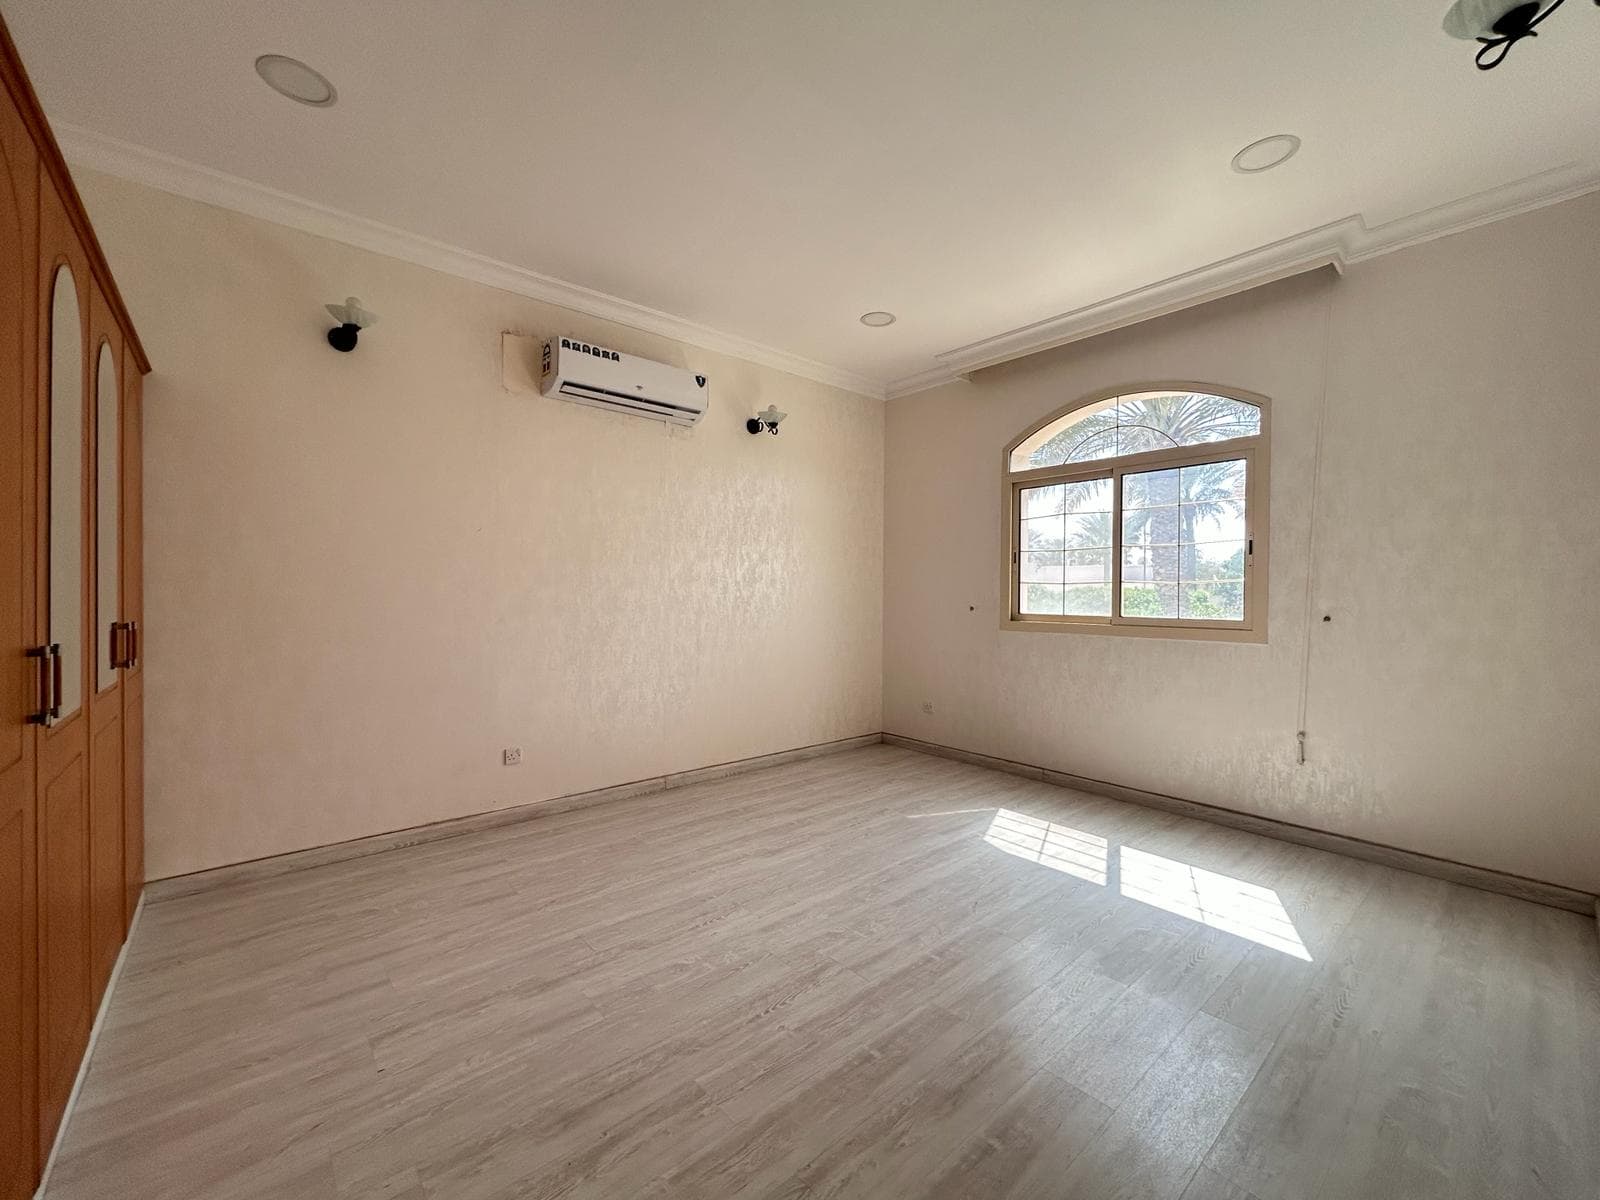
(1337, 245)
(922, 381)
(96, 151)
(1309, 251)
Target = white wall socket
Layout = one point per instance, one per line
(513, 755)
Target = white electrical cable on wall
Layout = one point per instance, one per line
(1311, 530)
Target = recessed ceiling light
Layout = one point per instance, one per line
(877, 319)
(1265, 154)
(292, 78)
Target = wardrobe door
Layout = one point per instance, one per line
(65, 925)
(19, 673)
(132, 541)
(107, 894)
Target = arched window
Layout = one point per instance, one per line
(1142, 512)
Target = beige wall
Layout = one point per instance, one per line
(1453, 702)
(369, 573)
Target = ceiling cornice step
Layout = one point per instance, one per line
(1337, 245)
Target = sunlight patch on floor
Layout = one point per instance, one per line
(1245, 910)
(1220, 901)
(1058, 846)
(949, 812)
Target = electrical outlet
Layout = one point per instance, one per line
(927, 706)
(513, 755)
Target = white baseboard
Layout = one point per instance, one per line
(299, 860)
(1553, 894)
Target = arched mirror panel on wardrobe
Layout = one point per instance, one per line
(108, 528)
(66, 494)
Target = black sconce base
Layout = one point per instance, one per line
(343, 338)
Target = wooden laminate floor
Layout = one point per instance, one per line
(872, 974)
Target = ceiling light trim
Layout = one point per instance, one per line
(167, 173)
(1338, 244)
(1283, 147)
(271, 68)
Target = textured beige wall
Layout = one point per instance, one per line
(1453, 701)
(368, 573)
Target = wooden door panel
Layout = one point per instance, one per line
(63, 935)
(106, 895)
(65, 991)
(133, 795)
(18, 678)
(133, 610)
(104, 693)
(16, 1047)
(19, 1163)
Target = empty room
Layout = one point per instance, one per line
(881, 599)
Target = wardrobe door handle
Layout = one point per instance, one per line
(133, 644)
(55, 680)
(122, 644)
(42, 717)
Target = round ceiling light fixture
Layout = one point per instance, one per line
(877, 319)
(1497, 25)
(292, 78)
(1266, 153)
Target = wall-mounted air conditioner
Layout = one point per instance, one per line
(581, 371)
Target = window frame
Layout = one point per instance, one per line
(1254, 450)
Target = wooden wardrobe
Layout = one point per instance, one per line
(71, 596)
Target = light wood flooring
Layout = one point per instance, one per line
(872, 974)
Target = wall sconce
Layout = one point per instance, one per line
(766, 421)
(352, 320)
(1497, 25)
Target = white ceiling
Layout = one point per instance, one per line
(772, 170)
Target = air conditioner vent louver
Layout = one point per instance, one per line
(598, 376)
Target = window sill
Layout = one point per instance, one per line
(1184, 633)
